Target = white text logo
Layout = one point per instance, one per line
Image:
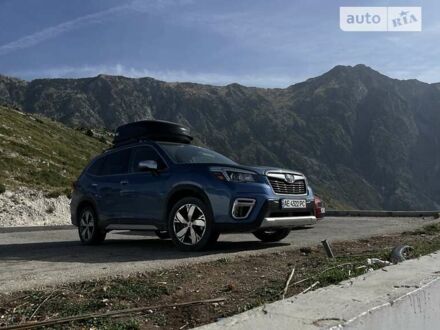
(393, 19)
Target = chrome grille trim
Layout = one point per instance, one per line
(280, 186)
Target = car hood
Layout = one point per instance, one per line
(263, 170)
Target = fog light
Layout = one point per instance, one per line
(242, 207)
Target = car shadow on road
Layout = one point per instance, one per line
(119, 250)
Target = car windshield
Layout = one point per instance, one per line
(189, 154)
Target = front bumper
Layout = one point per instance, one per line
(268, 213)
(247, 207)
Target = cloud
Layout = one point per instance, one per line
(98, 17)
(258, 80)
(54, 31)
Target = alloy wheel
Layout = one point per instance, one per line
(189, 224)
(87, 225)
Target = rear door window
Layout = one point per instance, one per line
(146, 153)
(96, 167)
(116, 163)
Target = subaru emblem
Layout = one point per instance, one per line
(289, 178)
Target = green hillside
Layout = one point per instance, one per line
(38, 152)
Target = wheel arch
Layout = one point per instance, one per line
(84, 203)
(184, 191)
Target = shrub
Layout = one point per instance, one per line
(50, 209)
(67, 192)
(59, 192)
(53, 194)
(2, 188)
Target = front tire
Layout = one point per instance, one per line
(190, 225)
(88, 227)
(266, 235)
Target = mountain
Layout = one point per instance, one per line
(364, 140)
(40, 153)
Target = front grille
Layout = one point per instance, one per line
(282, 187)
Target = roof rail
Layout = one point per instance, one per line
(130, 141)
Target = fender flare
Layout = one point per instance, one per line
(81, 203)
(192, 188)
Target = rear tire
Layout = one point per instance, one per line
(190, 225)
(88, 227)
(266, 235)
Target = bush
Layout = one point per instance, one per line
(2, 188)
(59, 192)
(53, 194)
(50, 210)
(67, 192)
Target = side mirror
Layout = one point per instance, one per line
(147, 165)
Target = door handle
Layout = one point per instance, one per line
(124, 182)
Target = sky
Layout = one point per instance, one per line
(260, 43)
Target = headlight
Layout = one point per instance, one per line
(240, 176)
(234, 175)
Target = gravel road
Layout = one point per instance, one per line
(38, 258)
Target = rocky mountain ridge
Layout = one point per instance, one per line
(364, 140)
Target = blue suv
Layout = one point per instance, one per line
(155, 179)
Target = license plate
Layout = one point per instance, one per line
(293, 203)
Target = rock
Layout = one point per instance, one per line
(29, 207)
(305, 250)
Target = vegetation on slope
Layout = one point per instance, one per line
(40, 153)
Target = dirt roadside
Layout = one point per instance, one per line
(244, 282)
(53, 257)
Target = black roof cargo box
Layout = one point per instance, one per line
(155, 130)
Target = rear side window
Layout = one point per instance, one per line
(146, 153)
(96, 167)
(116, 163)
